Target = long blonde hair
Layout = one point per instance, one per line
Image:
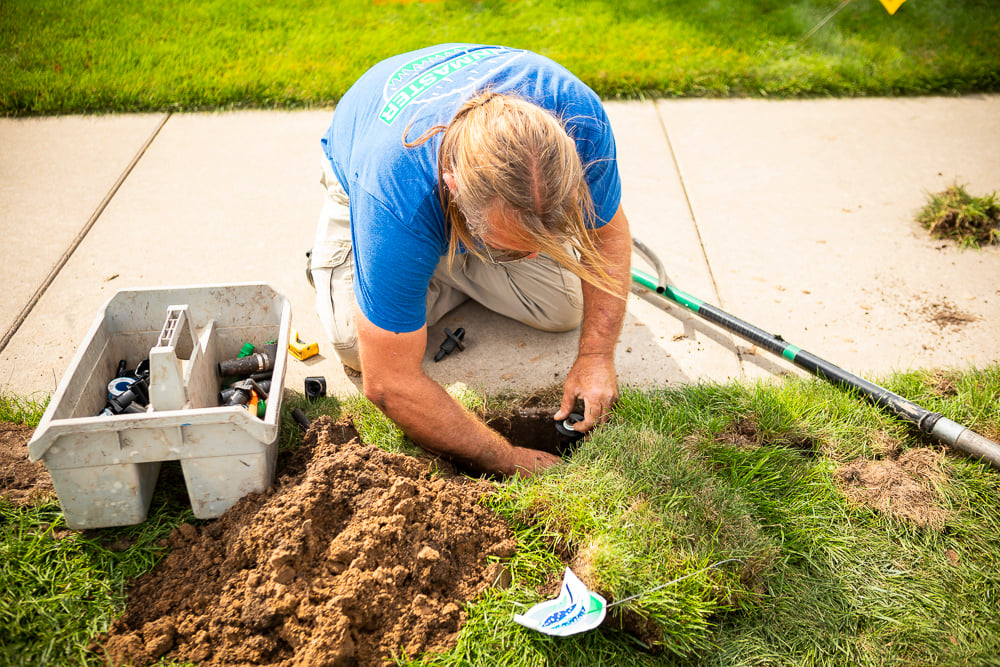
(507, 152)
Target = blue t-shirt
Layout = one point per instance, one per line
(397, 225)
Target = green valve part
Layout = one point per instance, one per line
(261, 408)
(246, 350)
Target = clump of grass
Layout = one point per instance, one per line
(968, 219)
(22, 410)
(634, 509)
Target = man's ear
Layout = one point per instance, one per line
(450, 183)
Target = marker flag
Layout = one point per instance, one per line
(575, 610)
(891, 5)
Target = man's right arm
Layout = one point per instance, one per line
(394, 380)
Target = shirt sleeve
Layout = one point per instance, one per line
(595, 143)
(393, 265)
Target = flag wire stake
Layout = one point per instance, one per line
(671, 583)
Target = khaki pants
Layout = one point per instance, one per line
(537, 292)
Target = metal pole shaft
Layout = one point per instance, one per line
(934, 424)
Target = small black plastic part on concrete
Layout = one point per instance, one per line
(451, 342)
(315, 387)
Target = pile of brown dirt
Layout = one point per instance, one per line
(21, 481)
(901, 487)
(353, 555)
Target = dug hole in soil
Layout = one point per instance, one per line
(354, 555)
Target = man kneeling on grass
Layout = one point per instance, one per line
(457, 172)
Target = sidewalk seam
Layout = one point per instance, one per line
(33, 301)
(697, 231)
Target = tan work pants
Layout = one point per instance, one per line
(537, 292)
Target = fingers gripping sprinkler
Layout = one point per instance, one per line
(567, 434)
(934, 424)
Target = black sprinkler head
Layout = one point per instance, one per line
(567, 434)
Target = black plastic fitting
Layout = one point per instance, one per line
(451, 342)
(137, 394)
(227, 394)
(315, 387)
(301, 419)
(259, 362)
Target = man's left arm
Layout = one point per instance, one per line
(592, 377)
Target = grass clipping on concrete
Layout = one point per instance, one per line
(968, 219)
(859, 540)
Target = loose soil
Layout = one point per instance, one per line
(353, 556)
(945, 314)
(902, 487)
(745, 433)
(901, 484)
(356, 554)
(21, 481)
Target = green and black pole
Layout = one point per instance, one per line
(932, 423)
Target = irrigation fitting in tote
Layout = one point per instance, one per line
(241, 390)
(244, 391)
(258, 362)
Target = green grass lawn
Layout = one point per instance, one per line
(96, 56)
(769, 474)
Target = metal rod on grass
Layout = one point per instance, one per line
(934, 424)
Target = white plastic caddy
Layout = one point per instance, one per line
(104, 468)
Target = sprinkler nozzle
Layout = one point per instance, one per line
(566, 431)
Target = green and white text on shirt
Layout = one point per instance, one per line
(401, 98)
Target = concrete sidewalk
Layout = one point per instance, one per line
(796, 216)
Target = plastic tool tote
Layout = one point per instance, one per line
(104, 468)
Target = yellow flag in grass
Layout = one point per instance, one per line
(891, 5)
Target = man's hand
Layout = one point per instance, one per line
(593, 376)
(593, 379)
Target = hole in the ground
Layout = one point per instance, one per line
(171, 487)
(533, 428)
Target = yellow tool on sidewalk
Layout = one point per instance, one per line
(300, 349)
